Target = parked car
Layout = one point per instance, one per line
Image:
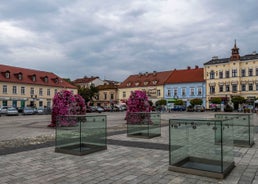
(28, 111)
(3, 110)
(179, 108)
(99, 109)
(11, 111)
(199, 108)
(41, 110)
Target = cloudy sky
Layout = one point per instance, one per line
(113, 39)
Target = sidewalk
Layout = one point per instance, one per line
(124, 162)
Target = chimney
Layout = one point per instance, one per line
(215, 58)
(154, 72)
(196, 66)
(188, 67)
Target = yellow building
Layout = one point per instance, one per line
(108, 94)
(20, 87)
(234, 76)
(152, 83)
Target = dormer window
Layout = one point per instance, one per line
(137, 84)
(7, 74)
(146, 83)
(34, 78)
(20, 76)
(129, 84)
(154, 82)
(56, 80)
(45, 79)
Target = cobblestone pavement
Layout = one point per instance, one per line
(127, 160)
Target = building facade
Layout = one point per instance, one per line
(86, 82)
(185, 85)
(108, 94)
(152, 83)
(20, 87)
(233, 76)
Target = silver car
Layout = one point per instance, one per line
(11, 111)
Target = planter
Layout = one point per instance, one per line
(143, 124)
(84, 135)
(193, 149)
(243, 128)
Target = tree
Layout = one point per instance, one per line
(179, 102)
(216, 100)
(161, 102)
(196, 101)
(89, 94)
(236, 100)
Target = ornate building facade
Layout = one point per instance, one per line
(233, 76)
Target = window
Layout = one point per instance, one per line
(48, 92)
(158, 92)
(23, 90)
(169, 92)
(112, 96)
(250, 87)
(7, 75)
(4, 89)
(175, 92)
(199, 91)
(192, 91)
(250, 72)
(105, 96)
(256, 71)
(221, 88)
(227, 74)
(55, 91)
(183, 92)
(46, 79)
(20, 76)
(256, 87)
(40, 92)
(243, 72)
(212, 75)
(243, 87)
(124, 94)
(227, 88)
(31, 91)
(212, 89)
(234, 87)
(14, 89)
(234, 73)
(33, 78)
(221, 74)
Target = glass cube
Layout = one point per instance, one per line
(193, 149)
(81, 135)
(144, 124)
(243, 128)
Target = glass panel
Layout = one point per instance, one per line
(81, 134)
(243, 130)
(143, 124)
(192, 144)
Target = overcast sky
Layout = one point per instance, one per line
(113, 39)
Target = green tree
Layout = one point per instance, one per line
(196, 101)
(89, 94)
(161, 102)
(216, 100)
(236, 100)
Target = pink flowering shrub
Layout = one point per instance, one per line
(65, 103)
(137, 104)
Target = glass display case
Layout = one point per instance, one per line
(144, 124)
(243, 128)
(81, 135)
(193, 149)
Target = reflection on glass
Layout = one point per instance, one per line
(243, 128)
(81, 135)
(193, 149)
(143, 124)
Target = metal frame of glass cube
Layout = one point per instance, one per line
(143, 124)
(81, 134)
(194, 150)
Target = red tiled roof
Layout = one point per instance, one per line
(53, 80)
(146, 79)
(84, 80)
(186, 76)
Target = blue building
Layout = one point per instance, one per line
(185, 85)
